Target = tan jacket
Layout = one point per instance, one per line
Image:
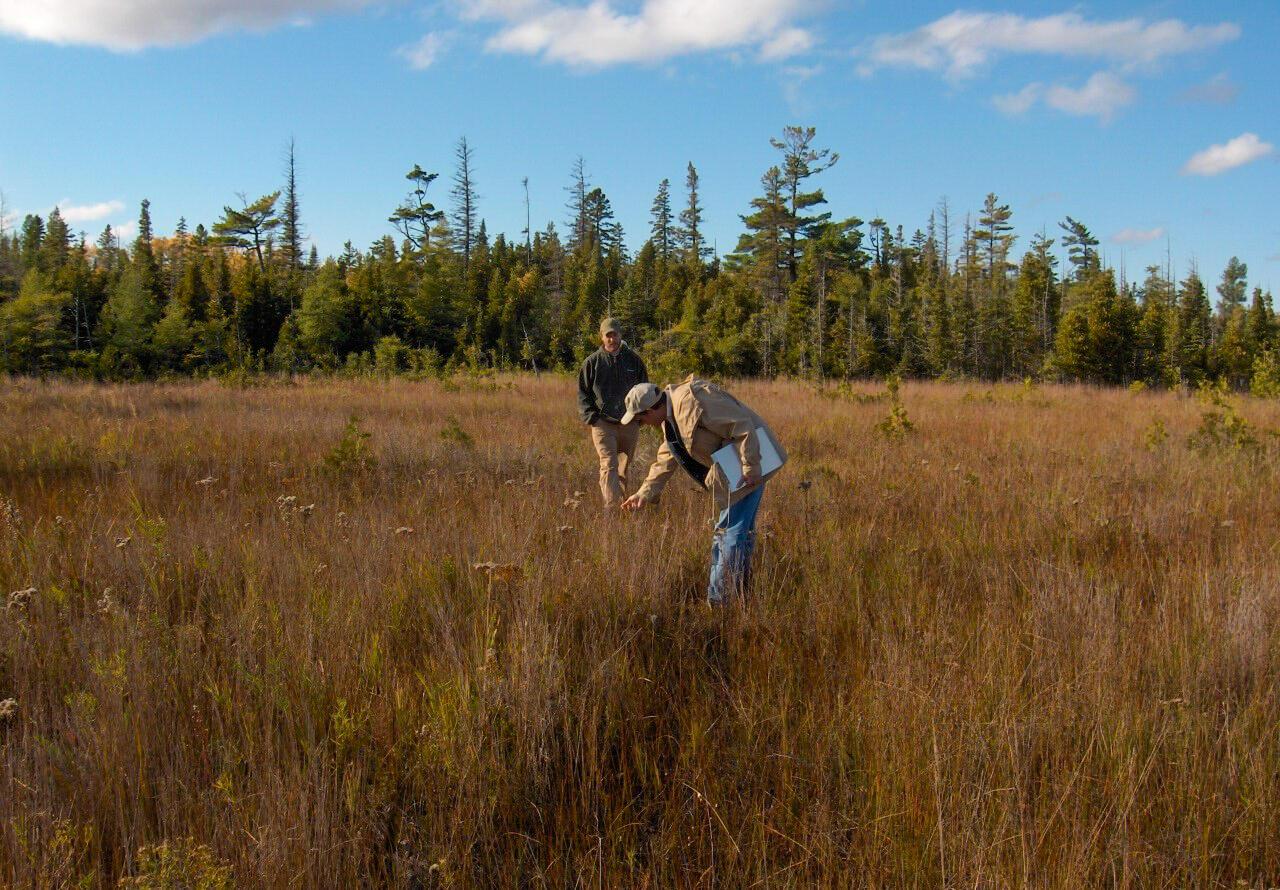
(708, 418)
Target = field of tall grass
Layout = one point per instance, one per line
(333, 634)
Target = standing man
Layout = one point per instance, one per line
(606, 377)
(697, 419)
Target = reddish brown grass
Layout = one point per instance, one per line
(1028, 644)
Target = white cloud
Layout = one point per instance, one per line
(1102, 96)
(497, 9)
(793, 80)
(1138, 236)
(423, 54)
(137, 24)
(1217, 90)
(962, 42)
(597, 34)
(75, 213)
(1244, 149)
(1021, 101)
(786, 44)
(125, 231)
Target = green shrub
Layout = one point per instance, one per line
(352, 453)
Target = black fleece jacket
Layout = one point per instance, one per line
(605, 380)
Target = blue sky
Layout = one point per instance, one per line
(1153, 123)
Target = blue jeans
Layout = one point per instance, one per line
(731, 546)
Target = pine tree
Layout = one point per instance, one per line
(994, 236)
(1080, 245)
(800, 161)
(416, 217)
(251, 227)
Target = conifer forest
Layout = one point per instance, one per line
(807, 291)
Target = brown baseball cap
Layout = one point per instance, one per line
(610, 324)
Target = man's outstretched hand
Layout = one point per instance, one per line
(632, 503)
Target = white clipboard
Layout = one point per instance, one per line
(730, 462)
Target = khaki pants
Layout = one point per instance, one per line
(616, 447)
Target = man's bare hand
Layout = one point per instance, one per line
(749, 478)
(632, 503)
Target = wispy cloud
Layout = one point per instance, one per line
(125, 231)
(1022, 101)
(1138, 236)
(78, 213)
(1244, 149)
(786, 44)
(136, 24)
(1218, 90)
(599, 35)
(425, 52)
(962, 42)
(1101, 96)
(794, 79)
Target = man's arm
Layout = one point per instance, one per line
(588, 410)
(663, 466)
(644, 372)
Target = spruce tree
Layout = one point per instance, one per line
(144, 256)
(691, 221)
(465, 217)
(1231, 289)
(290, 221)
(1193, 325)
(578, 187)
(660, 228)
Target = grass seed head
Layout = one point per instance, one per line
(19, 599)
(8, 709)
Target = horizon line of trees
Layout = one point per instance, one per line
(803, 293)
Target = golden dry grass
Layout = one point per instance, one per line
(1032, 643)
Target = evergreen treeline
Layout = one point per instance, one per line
(803, 293)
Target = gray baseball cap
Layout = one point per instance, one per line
(640, 398)
(610, 324)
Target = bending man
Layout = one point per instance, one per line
(697, 419)
(606, 377)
